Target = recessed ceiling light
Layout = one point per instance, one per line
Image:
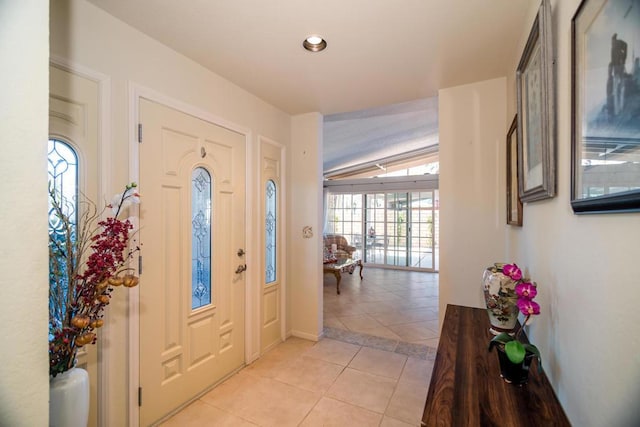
(314, 43)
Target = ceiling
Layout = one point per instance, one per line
(380, 52)
(365, 140)
(377, 81)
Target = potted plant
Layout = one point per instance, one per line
(88, 259)
(516, 356)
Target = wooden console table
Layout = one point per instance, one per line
(466, 388)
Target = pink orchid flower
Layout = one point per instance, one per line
(526, 290)
(528, 307)
(513, 271)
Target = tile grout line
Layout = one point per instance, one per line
(335, 334)
(324, 394)
(395, 388)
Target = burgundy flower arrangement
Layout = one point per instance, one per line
(87, 260)
(516, 351)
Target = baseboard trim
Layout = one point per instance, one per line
(306, 335)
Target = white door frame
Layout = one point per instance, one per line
(104, 177)
(136, 92)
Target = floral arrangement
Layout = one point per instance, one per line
(499, 283)
(525, 291)
(87, 261)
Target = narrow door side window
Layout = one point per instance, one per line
(63, 181)
(270, 232)
(201, 191)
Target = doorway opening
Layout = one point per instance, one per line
(395, 233)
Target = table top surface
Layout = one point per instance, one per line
(341, 263)
(466, 388)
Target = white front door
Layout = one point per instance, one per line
(192, 227)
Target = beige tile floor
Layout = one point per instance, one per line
(372, 368)
(395, 304)
(328, 383)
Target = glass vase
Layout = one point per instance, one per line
(514, 373)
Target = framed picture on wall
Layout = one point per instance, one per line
(536, 111)
(605, 135)
(514, 205)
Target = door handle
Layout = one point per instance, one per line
(241, 268)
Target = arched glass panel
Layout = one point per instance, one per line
(270, 232)
(200, 238)
(63, 182)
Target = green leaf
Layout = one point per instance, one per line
(501, 338)
(530, 348)
(515, 351)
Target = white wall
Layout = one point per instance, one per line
(587, 269)
(304, 269)
(85, 35)
(24, 83)
(473, 130)
(586, 266)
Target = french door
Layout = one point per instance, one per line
(401, 229)
(396, 229)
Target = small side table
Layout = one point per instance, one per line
(341, 266)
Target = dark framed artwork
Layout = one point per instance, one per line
(536, 112)
(605, 92)
(514, 204)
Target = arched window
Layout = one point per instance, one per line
(201, 190)
(63, 182)
(270, 232)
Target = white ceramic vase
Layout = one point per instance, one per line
(69, 399)
(501, 300)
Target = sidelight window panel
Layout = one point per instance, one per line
(62, 162)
